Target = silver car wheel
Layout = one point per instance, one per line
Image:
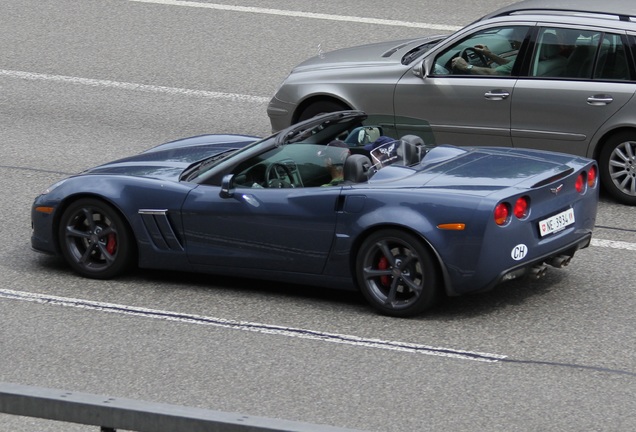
(622, 167)
(321, 107)
(617, 163)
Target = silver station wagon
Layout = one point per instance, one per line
(539, 74)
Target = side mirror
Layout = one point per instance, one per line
(227, 186)
(419, 70)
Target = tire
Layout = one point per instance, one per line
(396, 273)
(321, 107)
(94, 239)
(617, 164)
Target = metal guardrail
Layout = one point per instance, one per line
(111, 414)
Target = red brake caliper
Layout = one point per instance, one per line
(111, 244)
(383, 264)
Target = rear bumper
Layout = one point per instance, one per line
(558, 258)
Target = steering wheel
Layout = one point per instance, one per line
(482, 58)
(275, 174)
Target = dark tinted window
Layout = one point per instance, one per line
(571, 53)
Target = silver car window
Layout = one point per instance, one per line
(612, 61)
(487, 52)
(572, 53)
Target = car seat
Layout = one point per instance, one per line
(356, 168)
(412, 149)
(551, 63)
(580, 62)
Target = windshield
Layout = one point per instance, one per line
(194, 170)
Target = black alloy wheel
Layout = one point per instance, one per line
(95, 240)
(396, 273)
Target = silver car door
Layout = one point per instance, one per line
(460, 110)
(560, 108)
(465, 88)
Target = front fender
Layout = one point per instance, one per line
(126, 194)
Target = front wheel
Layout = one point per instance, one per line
(95, 240)
(321, 107)
(396, 273)
(617, 163)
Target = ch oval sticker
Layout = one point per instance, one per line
(519, 252)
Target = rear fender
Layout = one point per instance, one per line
(411, 221)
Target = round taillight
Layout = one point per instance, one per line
(592, 176)
(520, 209)
(502, 212)
(580, 183)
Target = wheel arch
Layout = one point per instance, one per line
(318, 98)
(608, 135)
(359, 240)
(71, 199)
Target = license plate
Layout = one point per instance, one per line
(556, 222)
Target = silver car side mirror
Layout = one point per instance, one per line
(419, 70)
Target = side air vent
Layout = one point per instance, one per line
(160, 230)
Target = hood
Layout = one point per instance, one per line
(167, 161)
(380, 53)
(479, 170)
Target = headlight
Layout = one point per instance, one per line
(53, 186)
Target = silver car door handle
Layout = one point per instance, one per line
(600, 100)
(496, 94)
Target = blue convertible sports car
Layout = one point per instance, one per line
(333, 201)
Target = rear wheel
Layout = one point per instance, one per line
(618, 167)
(396, 273)
(95, 240)
(321, 107)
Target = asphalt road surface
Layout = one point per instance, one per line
(84, 82)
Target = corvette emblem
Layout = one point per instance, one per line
(557, 189)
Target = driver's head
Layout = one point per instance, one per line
(334, 153)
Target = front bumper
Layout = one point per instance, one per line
(280, 114)
(42, 235)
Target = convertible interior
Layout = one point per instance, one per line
(306, 164)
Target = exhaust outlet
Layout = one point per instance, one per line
(538, 271)
(560, 261)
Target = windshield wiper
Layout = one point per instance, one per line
(194, 170)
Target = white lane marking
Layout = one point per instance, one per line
(253, 327)
(32, 76)
(613, 244)
(298, 14)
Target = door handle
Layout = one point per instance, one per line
(600, 99)
(496, 94)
